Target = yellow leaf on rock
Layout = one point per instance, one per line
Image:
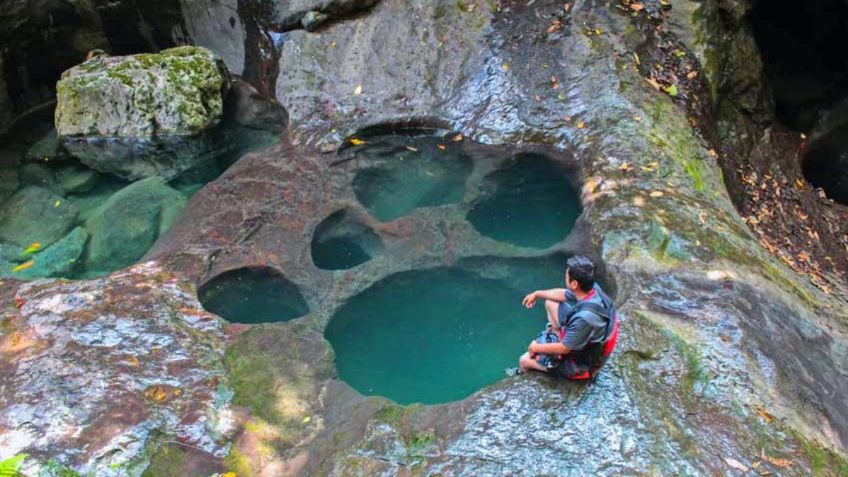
(358, 90)
(636, 7)
(34, 247)
(230, 474)
(657, 193)
(24, 266)
(356, 141)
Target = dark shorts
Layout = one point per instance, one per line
(562, 313)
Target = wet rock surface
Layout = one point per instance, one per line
(72, 350)
(701, 383)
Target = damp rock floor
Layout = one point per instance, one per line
(418, 263)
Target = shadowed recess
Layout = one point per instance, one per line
(528, 202)
(439, 335)
(253, 295)
(402, 171)
(343, 241)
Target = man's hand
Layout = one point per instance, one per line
(529, 300)
(531, 348)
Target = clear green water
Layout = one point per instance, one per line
(529, 202)
(342, 241)
(18, 171)
(401, 172)
(439, 335)
(252, 295)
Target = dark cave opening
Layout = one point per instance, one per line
(802, 45)
(806, 69)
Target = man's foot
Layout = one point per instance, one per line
(513, 371)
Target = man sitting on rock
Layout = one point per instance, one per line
(582, 328)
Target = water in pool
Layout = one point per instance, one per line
(529, 202)
(401, 172)
(439, 335)
(253, 295)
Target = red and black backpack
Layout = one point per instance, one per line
(586, 363)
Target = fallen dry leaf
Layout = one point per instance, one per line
(764, 414)
(782, 463)
(357, 142)
(657, 193)
(637, 7)
(358, 90)
(735, 464)
(441, 147)
(24, 266)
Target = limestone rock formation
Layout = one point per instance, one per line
(179, 91)
(729, 357)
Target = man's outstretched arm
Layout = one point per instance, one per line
(555, 294)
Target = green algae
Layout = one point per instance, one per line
(167, 461)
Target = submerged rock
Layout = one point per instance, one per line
(76, 179)
(128, 223)
(178, 91)
(57, 260)
(35, 214)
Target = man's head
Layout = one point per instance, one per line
(579, 274)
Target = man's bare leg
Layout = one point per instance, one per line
(526, 363)
(552, 307)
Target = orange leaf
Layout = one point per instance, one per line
(764, 414)
(24, 266)
(636, 7)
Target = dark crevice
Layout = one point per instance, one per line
(806, 69)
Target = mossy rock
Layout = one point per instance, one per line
(35, 214)
(179, 91)
(126, 226)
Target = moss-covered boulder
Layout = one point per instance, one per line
(129, 222)
(178, 91)
(35, 214)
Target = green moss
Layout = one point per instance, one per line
(251, 380)
(168, 461)
(823, 461)
(238, 463)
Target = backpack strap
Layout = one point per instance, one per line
(607, 311)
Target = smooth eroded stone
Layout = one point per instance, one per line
(129, 222)
(178, 91)
(76, 179)
(56, 261)
(35, 214)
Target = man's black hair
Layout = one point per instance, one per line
(582, 269)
